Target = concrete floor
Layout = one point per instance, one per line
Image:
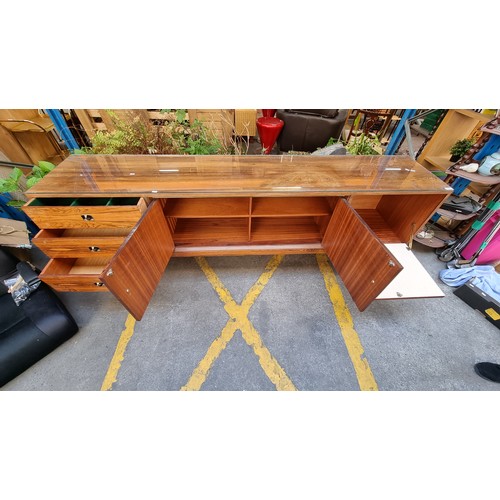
(294, 340)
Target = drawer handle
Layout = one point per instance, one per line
(94, 249)
(87, 217)
(98, 283)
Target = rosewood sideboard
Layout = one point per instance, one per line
(112, 222)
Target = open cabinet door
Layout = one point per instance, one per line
(363, 262)
(137, 267)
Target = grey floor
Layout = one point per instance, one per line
(410, 345)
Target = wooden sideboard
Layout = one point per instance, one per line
(112, 222)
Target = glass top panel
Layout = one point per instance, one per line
(273, 175)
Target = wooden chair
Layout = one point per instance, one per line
(38, 123)
(374, 122)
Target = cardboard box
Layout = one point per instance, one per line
(14, 233)
(477, 299)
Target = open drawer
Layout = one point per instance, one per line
(75, 275)
(85, 212)
(370, 268)
(102, 242)
(131, 274)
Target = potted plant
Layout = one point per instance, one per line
(460, 148)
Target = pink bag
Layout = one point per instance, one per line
(491, 254)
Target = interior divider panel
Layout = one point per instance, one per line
(207, 207)
(379, 226)
(286, 207)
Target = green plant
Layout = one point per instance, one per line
(139, 137)
(16, 183)
(331, 142)
(180, 114)
(364, 145)
(461, 147)
(200, 141)
(11, 185)
(39, 172)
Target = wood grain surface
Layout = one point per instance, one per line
(285, 207)
(361, 259)
(217, 231)
(216, 176)
(210, 207)
(134, 272)
(226, 205)
(406, 214)
(75, 275)
(80, 242)
(84, 216)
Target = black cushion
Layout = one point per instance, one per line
(31, 330)
(21, 347)
(7, 269)
(308, 130)
(10, 313)
(326, 113)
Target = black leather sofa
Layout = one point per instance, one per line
(309, 129)
(31, 330)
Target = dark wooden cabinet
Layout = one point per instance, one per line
(113, 222)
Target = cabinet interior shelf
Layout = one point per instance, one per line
(287, 230)
(234, 231)
(211, 231)
(378, 225)
(254, 221)
(207, 207)
(285, 207)
(260, 221)
(243, 207)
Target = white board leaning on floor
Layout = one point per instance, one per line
(413, 281)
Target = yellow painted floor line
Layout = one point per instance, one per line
(271, 367)
(365, 377)
(200, 373)
(256, 289)
(238, 315)
(116, 361)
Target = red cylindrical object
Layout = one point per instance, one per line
(269, 129)
(268, 113)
